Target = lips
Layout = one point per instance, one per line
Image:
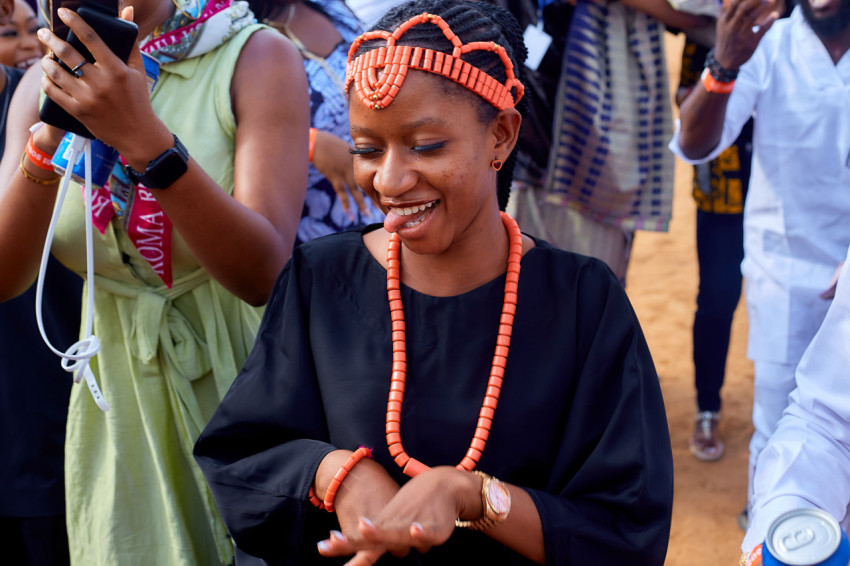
(407, 216)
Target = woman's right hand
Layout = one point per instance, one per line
(740, 27)
(366, 490)
(109, 97)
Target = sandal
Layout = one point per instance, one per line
(705, 444)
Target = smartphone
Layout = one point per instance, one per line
(58, 27)
(119, 35)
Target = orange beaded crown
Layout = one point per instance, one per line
(395, 60)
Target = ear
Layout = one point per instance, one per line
(505, 131)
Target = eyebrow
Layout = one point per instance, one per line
(424, 122)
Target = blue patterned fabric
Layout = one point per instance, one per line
(613, 120)
(323, 212)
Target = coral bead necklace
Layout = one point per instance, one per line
(411, 466)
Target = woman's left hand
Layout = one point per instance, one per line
(332, 159)
(420, 516)
(109, 97)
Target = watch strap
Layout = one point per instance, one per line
(712, 85)
(163, 170)
(489, 517)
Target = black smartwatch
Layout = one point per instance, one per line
(164, 170)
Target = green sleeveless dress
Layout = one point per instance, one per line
(134, 494)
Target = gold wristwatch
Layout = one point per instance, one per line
(495, 502)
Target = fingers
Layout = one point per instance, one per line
(766, 23)
(135, 58)
(744, 12)
(342, 194)
(374, 539)
(101, 53)
(358, 195)
(61, 49)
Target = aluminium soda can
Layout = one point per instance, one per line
(806, 537)
(103, 158)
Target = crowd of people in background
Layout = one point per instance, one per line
(307, 253)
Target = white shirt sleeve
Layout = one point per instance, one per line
(806, 463)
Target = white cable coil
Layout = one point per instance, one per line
(75, 359)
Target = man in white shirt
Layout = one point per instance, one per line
(806, 462)
(794, 76)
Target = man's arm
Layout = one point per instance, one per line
(702, 114)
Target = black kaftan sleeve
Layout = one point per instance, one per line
(611, 491)
(261, 449)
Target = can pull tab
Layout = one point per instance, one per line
(798, 539)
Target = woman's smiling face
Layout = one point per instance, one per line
(19, 46)
(425, 159)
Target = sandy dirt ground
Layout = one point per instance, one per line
(662, 285)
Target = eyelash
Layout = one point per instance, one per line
(429, 147)
(416, 148)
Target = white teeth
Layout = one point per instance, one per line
(407, 211)
(412, 223)
(26, 64)
(818, 3)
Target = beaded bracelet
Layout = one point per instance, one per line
(39, 158)
(32, 178)
(713, 85)
(330, 494)
(719, 72)
(313, 133)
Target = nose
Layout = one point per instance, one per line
(394, 174)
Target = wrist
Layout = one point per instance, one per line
(720, 69)
(47, 138)
(713, 85)
(468, 496)
(140, 155)
(495, 504)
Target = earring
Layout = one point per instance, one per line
(496, 164)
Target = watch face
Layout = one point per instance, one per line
(499, 497)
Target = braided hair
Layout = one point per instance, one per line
(470, 21)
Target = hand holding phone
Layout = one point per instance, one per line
(119, 35)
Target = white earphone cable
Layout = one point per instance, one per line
(75, 359)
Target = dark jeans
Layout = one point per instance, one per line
(34, 541)
(720, 250)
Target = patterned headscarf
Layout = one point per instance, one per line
(197, 27)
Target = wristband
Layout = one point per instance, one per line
(349, 464)
(754, 558)
(314, 499)
(713, 85)
(39, 158)
(313, 132)
(32, 178)
(718, 71)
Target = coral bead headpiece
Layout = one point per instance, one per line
(395, 60)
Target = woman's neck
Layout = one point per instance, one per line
(469, 263)
(148, 22)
